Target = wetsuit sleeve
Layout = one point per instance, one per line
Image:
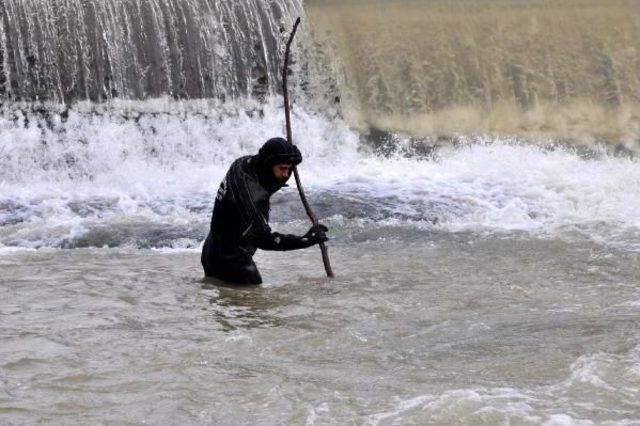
(283, 242)
(275, 241)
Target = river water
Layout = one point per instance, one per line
(488, 281)
(444, 329)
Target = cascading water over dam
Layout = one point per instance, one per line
(72, 50)
(550, 69)
(553, 69)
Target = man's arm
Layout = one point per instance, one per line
(284, 242)
(253, 206)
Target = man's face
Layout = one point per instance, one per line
(282, 172)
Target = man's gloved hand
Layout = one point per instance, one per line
(316, 234)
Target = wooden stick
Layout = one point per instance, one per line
(287, 114)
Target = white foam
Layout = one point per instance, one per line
(12, 250)
(599, 376)
(493, 406)
(607, 373)
(565, 420)
(171, 250)
(401, 407)
(154, 167)
(482, 406)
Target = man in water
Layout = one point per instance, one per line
(240, 220)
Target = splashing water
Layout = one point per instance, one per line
(64, 176)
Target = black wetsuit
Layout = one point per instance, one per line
(239, 224)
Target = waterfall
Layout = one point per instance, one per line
(67, 50)
(547, 69)
(563, 68)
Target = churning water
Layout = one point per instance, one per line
(480, 279)
(487, 282)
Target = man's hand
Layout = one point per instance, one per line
(317, 234)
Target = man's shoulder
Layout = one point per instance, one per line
(244, 159)
(243, 169)
(244, 165)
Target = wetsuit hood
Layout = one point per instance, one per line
(275, 151)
